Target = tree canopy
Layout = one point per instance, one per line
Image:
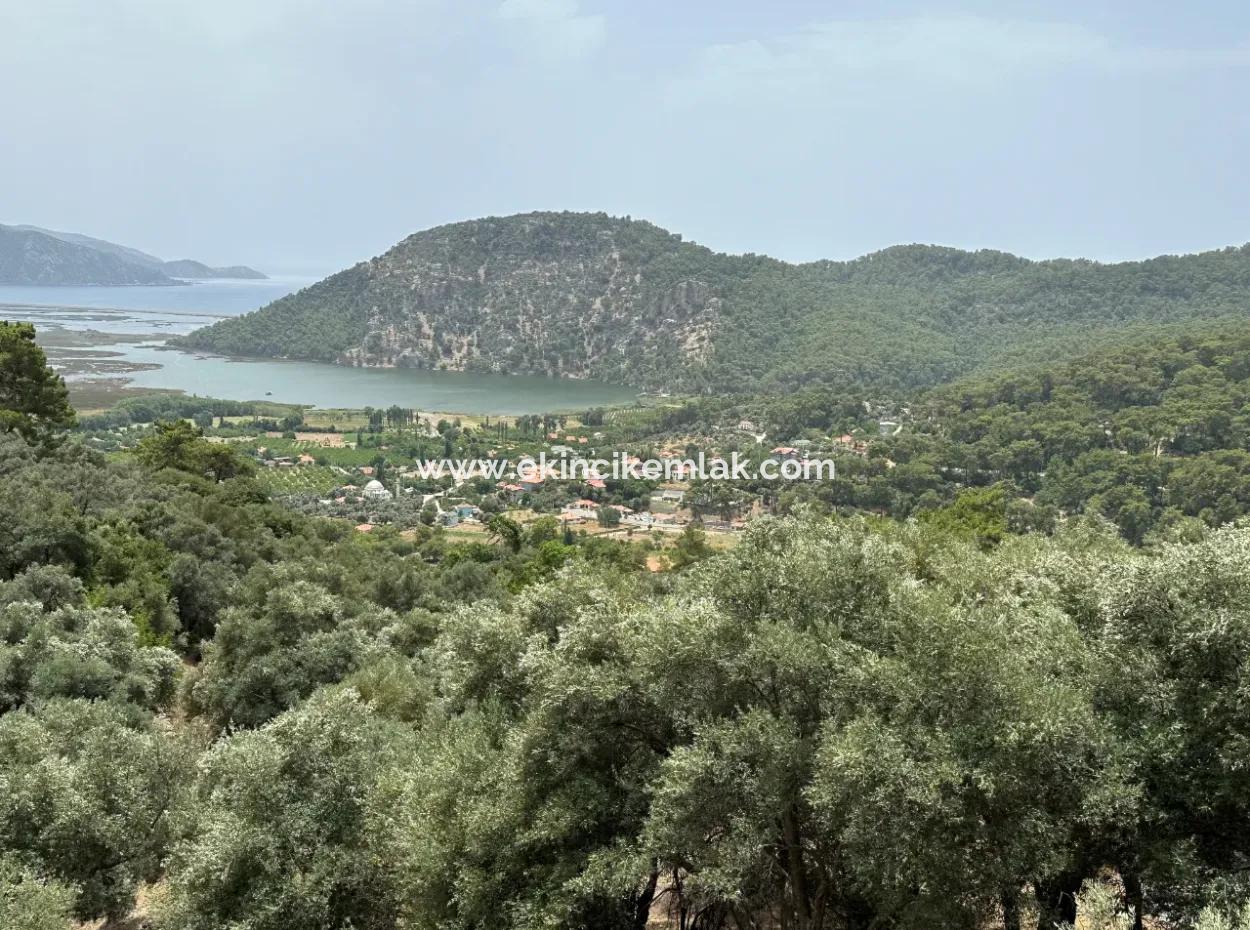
(33, 398)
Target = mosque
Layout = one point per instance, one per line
(376, 491)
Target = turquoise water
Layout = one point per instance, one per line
(144, 316)
(338, 386)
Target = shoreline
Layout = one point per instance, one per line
(85, 308)
(79, 368)
(98, 366)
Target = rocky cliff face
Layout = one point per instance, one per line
(592, 313)
(569, 295)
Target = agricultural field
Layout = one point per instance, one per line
(305, 480)
(339, 419)
(344, 456)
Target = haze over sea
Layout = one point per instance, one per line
(113, 338)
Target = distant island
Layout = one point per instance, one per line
(32, 255)
(190, 268)
(587, 295)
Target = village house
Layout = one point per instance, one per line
(850, 444)
(512, 491)
(666, 500)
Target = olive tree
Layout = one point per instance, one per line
(88, 796)
(31, 902)
(279, 838)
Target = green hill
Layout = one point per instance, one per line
(1149, 433)
(588, 295)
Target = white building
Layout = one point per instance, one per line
(375, 490)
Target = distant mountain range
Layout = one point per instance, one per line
(589, 295)
(33, 255)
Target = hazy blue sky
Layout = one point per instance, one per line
(314, 133)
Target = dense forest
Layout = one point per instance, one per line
(1152, 434)
(217, 712)
(588, 295)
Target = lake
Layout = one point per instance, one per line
(113, 337)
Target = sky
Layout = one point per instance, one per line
(305, 135)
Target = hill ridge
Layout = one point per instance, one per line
(589, 295)
(38, 261)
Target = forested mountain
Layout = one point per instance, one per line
(124, 252)
(34, 255)
(29, 257)
(1150, 434)
(563, 294)
(588, 295)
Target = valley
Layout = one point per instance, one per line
(574, 465)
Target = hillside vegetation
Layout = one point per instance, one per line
(1148, 434)
(259, 720)
(1152, 434)
(588, 295)
(219, 711)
